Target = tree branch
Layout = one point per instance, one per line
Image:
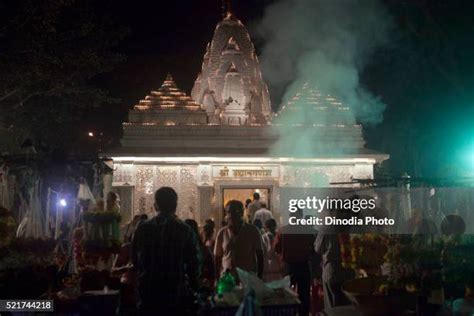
(9, 94)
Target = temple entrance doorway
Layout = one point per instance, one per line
(243, 189)
(242, 194)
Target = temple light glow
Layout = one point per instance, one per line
(248, 159)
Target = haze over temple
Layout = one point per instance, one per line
(224, 142)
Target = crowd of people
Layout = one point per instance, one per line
(169, 260)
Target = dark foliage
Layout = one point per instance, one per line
(50, 51)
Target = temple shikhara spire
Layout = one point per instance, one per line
(230, 86)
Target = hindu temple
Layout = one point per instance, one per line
(224, 141)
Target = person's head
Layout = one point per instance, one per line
(258, 223)
(298, 213)
(4, 212)
(112, 198)
(166, 200)
(247, 202)
(78, 234)
(208, 230)
(263, 204)
(210, 223)
(112, 201)
(143, 217)
(256, 196)
(194, 226)
(270, 225)
(235, 212)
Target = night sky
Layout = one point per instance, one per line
(424, 74)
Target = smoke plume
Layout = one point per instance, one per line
(326, 43)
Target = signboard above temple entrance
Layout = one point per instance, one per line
(258, 171)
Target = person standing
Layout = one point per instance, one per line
(273, 267)
(294, 244)
(254, 206)
(263, 214)
(166, 256)
(327, 245)
(238, 244)
(112, 202)
(129, 228)
(208, 273)
(246, 212)
(208, 234)
(259, 225)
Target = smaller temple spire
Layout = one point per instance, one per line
(168, 96)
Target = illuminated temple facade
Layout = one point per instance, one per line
(218, 144)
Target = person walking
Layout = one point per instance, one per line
(328, 246)
(208, 273)
(238, 244)
(273, 266)
(254, 206)
(263, 214)
(294, 244)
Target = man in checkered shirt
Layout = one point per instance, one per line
(165, 254)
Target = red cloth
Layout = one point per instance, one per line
(317, 298)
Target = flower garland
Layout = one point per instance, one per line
(363, 251)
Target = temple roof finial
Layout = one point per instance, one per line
(227, 8)
(169, 81)
(169, 77)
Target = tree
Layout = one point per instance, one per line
(51, 52)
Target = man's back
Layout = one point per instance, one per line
(263, 215)
(295, 243)
(166, 256)
(253, 208)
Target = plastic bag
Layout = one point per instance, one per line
(262, 290)
(280, 284)
(250, 281)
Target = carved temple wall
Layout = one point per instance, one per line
(199, 185)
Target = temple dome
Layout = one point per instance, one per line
(230, 71)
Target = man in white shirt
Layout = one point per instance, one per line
(254, 206)
(238, 245)
(263, 214)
